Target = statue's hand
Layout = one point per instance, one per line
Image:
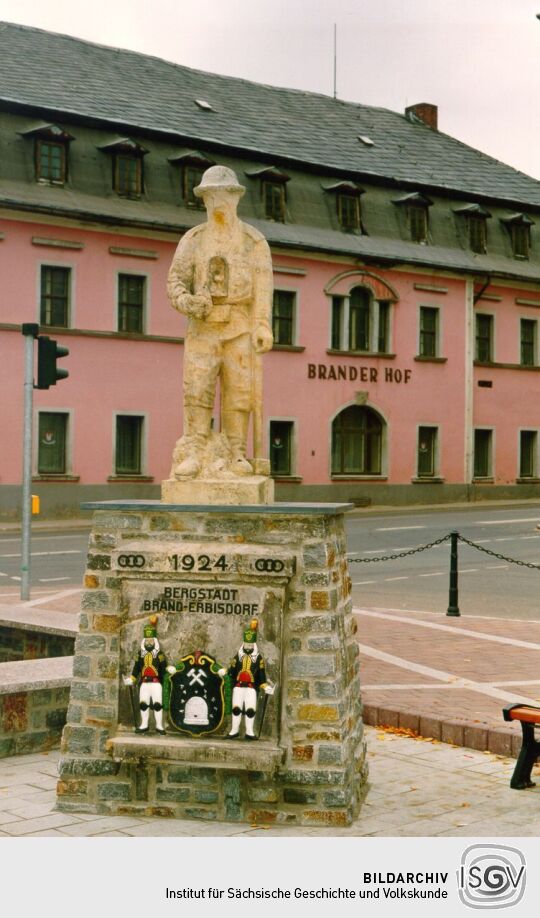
(197, 305)
(129, 680)
(262, 339)
(171, 670)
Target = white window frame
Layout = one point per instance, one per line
(70, 412)
(438, 334)
(528, 319)
(385, 441)
(437, 456)
(144, 443)
(373, 322)
(484, 312)
(47, 263)
(535, 431)
(282, 288)
(492, 453)
(294, 442)
(146, 303)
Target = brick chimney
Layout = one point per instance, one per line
(425, 112)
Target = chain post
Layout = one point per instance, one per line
(453, 608)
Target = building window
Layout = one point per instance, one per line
(418, 223)
(54, 302)
(427, 451)
(283, 316)
(360, 323)
(528, 454)
(128, 459)
(51, 162)
(281, 443)
(478, 235)
(191, 177)
(428, 344)
(528, 342)
(348, 212)
(520, 235)
(274, 201)
(483, 440)
(338, 311)
(131, 297)
(128, 175)
(52, 443)
(357, 442)
(359, 319)
(484, 338)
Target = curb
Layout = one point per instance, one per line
(455, 732)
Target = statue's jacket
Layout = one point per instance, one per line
(237, 273)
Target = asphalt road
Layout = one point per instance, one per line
(488, 585)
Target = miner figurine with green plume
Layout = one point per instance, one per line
(149, 672)
(247, 672)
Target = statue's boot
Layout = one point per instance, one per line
(197, 423)
(235, 425)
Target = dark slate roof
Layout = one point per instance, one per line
(63, 74)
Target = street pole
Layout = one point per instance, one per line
(453, 608)
(30, 331)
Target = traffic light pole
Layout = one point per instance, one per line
(29, 331)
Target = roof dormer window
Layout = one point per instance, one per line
(192, 164)
(347, 196)
(273, 191)
(519, 229)
(476, 217)
(51, 148)
(127, 167)
(416, 209)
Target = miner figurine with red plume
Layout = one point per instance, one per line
(149, 672)
(247, 672)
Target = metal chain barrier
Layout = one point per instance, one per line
(500, 557)
(401, 554)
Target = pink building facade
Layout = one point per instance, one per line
(406, 365)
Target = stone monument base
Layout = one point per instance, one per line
(253, 489)
(205, 571)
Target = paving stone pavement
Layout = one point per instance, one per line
(448, 678)
(417, 788)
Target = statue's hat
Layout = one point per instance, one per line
(219, 177)
(250, 633)
(150, 630)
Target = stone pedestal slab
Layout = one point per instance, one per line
(205, 571)
(255, 489)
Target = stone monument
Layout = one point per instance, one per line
(221, 279)
(243, 604)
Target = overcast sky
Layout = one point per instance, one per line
(478, 60)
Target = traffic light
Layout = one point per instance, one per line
(48, 353)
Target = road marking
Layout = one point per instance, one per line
(52, 579)
(398, 528)
(363, 582)
(438, 574)
(505, 540)
(468, 570)
(36, 602)
(39, 554)
(480, 635)
(433, 685)
(388, 579)
(2, 575)
(440, 674)
(37, 538)
(15, 578)
(496, 567)
(528, 519)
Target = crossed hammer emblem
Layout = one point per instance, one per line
(196, 676)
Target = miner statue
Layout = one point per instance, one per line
(221, 279)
